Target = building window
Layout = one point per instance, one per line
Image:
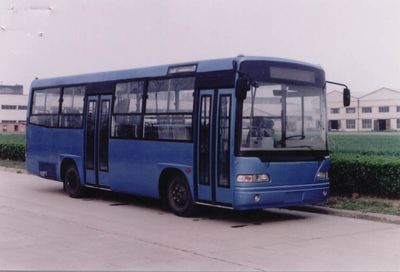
(398, 123)
(20, 107)
(350, 124)
(366, 123)
(351, 110)
(9, 121)
(366, 109)
(398, 108)
(384, 109)
(335, 110)
(334, 124)
(8, 107)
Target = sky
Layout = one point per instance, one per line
(357, 42)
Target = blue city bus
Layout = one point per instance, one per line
(241, 133)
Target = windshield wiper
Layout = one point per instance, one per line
(301, 136)
(283, 142)
(302, 146)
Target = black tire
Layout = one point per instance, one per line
(179, 197)
(72, 183)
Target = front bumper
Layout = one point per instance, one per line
(247, 198)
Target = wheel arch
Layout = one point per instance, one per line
(170, 171)
(66, 162)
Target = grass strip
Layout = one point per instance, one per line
(365, 204)
(12, 164)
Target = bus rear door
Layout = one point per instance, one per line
(98, 110)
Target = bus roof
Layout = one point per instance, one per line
(154, 71)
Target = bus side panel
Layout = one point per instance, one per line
(135, 165)
(45, 146)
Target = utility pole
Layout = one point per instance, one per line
(358, 114)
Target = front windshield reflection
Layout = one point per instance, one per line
(281, 116)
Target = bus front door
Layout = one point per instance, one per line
(98, 111)
(213, 148)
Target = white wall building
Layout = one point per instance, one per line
(375, 111)
(13, 108)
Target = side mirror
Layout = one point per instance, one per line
(242, 86)
(346, 97)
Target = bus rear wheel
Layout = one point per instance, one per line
(179, 197)
(72, 183)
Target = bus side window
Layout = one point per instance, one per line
(72, 107)
(45, 107)
(127, 113)
(169, 109)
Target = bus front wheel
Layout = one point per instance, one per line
(72, 183)
(179, 197)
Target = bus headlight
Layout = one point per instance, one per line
(253, 178)
(322, 175)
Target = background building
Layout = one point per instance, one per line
(375, 111)
(13, 107)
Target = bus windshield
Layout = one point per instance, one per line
(283, 117)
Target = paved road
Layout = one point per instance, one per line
(42, 229)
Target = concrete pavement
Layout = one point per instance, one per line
(43, 229)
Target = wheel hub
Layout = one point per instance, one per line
(71, 180)
(179, 195)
